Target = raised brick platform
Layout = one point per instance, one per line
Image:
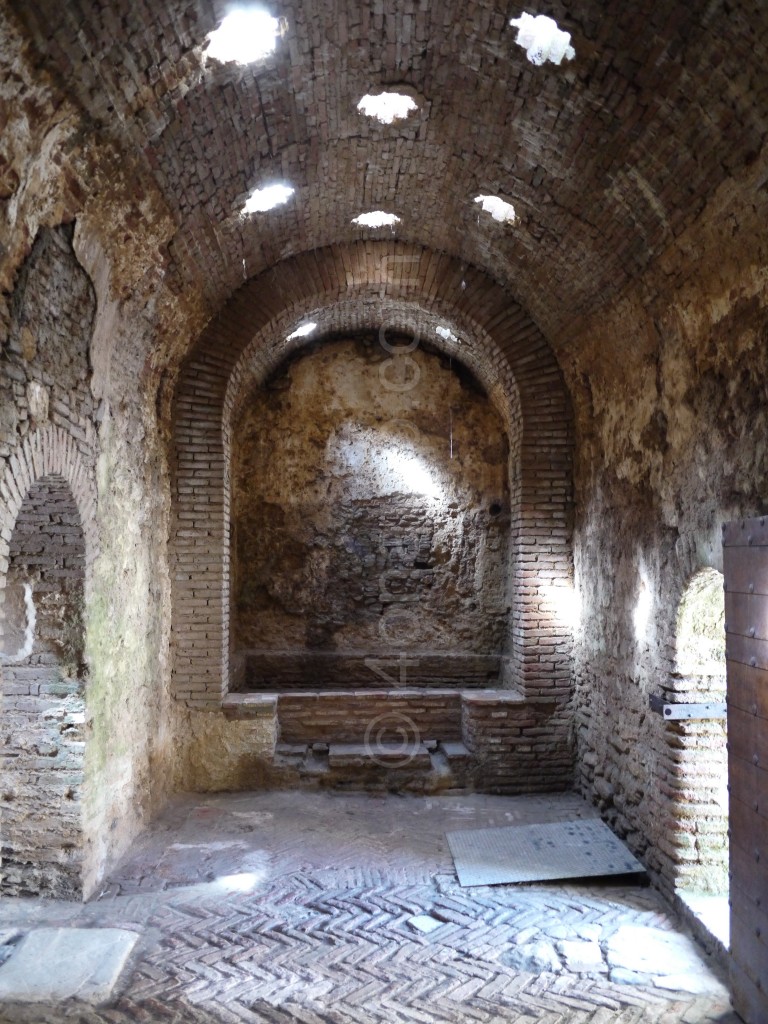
(416, 740)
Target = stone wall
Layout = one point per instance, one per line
(47, 410)
(43, 734)
(59, 420)
(671, 443)
(369, 520)
(46, 372)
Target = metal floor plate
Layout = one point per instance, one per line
(537, 853)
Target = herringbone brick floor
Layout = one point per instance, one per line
(282, 907)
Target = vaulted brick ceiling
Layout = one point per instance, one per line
(606, 158)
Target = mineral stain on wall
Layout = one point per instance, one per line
(370, 518)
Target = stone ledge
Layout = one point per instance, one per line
(362, 755)
(249, 705)
(466, 695)
(455, 751)
(493, 697)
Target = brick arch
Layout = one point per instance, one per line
(47, 521)
(357, 284)
(48, 451)
(417, 318)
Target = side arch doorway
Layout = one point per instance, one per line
(700, 755)
(43, 701)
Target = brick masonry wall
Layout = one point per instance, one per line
(692, 772)
(50, 543)
(403, 739)
(42, 699)
(670, 444)
(517, 746)
(47, 550)
(387, 664)
(258, 317)
(46, 452)
(46, 372)
(342, 717)
(47, 539)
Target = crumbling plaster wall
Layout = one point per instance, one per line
(58, 168)
(48, 381)
(672, 441)
(367, 516)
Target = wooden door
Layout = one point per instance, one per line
(745, 564)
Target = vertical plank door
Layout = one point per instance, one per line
(745, 566)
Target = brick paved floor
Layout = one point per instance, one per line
(290, 906)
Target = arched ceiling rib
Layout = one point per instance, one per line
(606, 158)
(470, 343)
(365, 285)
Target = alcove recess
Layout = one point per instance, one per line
(370, 523)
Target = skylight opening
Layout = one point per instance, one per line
(246, 34)
(498, 208)
(387, 107)
(267, 198)
(447, 335)
(542, 40)
(302, 331)
(376, 219)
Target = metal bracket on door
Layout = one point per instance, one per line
(678, 712)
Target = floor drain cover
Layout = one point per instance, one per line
(537, 853)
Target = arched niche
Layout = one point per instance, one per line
(369, 286)
(43, 701)
(370, 521)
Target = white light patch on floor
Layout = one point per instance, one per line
(714, 912)
(537, 853)
(499, 208)
(246, 35)
(302, 331)
(261, 200)
(671, 959)
(387, 107)
(376, 219)
(542, 39)
(424, 923)
(51, 964)
(243, 881)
